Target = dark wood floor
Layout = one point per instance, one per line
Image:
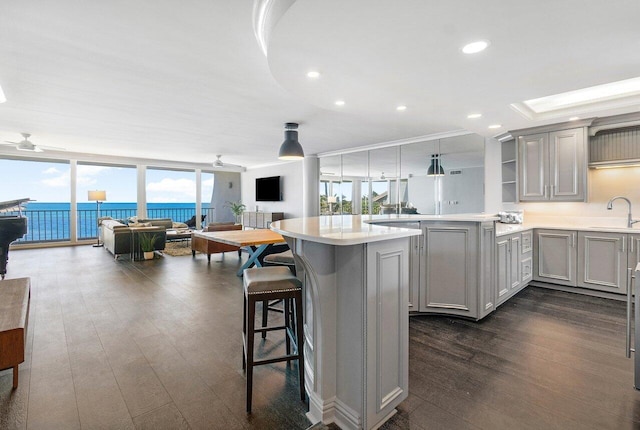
(156, 344)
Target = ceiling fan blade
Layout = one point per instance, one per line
(8, 141)
(50, 148)
(37, 149)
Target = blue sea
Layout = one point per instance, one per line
(50, 222)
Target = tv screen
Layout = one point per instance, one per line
(268, 189)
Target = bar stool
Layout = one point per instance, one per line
(279, 259)
(264, 284)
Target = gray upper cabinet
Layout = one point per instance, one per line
(552, 166)
(534, 166)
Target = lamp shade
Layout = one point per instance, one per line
(435, 168)
(99, 196)
(291, 148)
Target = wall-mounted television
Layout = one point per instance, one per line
(268, 189)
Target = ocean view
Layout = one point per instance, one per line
(49, 222)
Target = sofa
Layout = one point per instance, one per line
(209, 247)
(117, 236)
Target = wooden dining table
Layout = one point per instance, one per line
(258, 243)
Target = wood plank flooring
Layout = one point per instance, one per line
(156, 345)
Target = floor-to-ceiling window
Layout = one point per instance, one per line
(64, 212)
(48, 183)
(120, 196)
(206, 193)
(172, 194)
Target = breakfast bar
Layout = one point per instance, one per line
(355, 316)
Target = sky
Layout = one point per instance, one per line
(50, 182)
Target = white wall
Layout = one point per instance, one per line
(492, 176)
(603, 184)
(292, 185)
(226, 188)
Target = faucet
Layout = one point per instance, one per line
(630, 221)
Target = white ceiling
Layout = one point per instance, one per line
(185, 80)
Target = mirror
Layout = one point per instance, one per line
(384, 180)
(330, 178)
(355, 183)
(463, 184)
(443, 176)
(423, 190)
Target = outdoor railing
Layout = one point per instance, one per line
(54, 225)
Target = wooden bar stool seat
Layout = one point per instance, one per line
(272, 283)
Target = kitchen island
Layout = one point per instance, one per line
(356, 283)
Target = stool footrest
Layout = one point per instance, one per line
(276, 360)
(280, 327)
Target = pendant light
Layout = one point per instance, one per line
(291, 148)
(435, 169)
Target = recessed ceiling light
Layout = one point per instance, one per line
(401, 108)
(2, 97)
(573, 118)
(492, 126)
(474, 115)
(475, 47)
(313, 74)
(339, 102)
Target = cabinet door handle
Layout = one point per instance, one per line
(630, 278)
(551, 188)
(631, 241)
(573, 241)
(546, 191)
(624, 244)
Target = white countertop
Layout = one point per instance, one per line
(355, 229)
(339, 230)
(583, 225)
(472, 217)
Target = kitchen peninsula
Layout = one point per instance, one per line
(355, 318)
(364, 274)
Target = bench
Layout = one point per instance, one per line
(15, 295)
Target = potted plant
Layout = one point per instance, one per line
(147, 241)
(237, 208)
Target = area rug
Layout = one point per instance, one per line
(177, 249)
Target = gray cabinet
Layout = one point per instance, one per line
(555, 257)
(526, 257)
(415, 251)
(508, 257)
(457, 268)
(603, 260)
(552, 166)
(514, 264)
(260, 219)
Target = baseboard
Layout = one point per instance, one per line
(577, 290)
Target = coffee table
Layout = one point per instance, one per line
(174, 235)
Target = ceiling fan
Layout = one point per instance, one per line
(219, 163)
(383, 177)
(26, 145)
